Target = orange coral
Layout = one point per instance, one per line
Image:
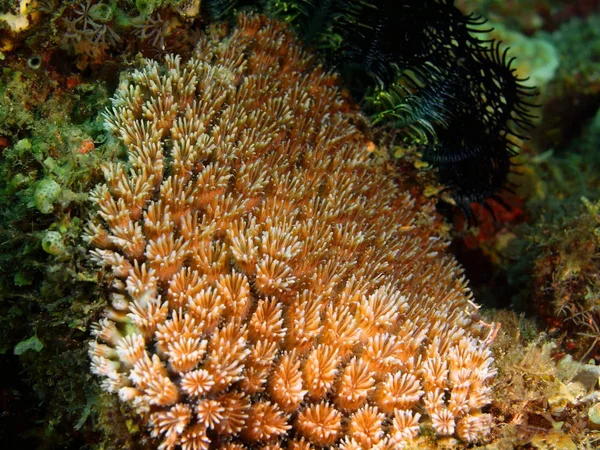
(271, 277)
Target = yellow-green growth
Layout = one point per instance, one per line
(53, 243)
(46, 194)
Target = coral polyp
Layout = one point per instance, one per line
(271, 283)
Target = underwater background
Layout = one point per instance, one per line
(499, 157)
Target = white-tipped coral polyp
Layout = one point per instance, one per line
(272, 284)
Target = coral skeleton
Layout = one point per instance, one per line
(273, 285)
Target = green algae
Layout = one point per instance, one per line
(31, 344)
(48, 291)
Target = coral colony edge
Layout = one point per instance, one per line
(272, 286)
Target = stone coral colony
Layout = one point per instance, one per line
(270, 284)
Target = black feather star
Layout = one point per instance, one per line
(456, 91)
